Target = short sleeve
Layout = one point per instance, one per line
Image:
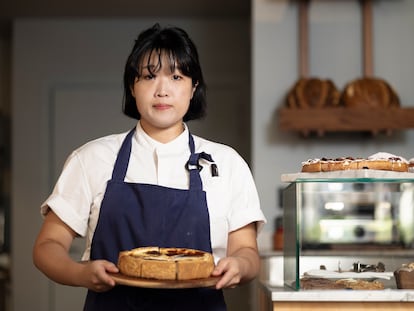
(71, 199)
(245, 203)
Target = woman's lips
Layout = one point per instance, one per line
(161, 106)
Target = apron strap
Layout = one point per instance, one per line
(194, 167)
(121, 164)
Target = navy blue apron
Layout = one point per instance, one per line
(136, 215)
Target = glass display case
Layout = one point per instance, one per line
(347, 220)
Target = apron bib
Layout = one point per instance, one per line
(136, 215)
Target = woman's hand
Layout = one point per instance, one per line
(242, 262)
(51, 256)
(94, 275)
(230, 268)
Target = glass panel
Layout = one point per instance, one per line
(354, 215)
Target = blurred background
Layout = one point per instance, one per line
(61, 65)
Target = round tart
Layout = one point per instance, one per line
(166, 263)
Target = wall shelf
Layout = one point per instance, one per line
(341, 119)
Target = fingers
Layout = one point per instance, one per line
(229, 269)
(110, 267)
(99, 279)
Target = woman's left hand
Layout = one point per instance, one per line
(242, 262)
(229, 268)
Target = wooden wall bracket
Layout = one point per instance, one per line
(303, 35)
(342, 119)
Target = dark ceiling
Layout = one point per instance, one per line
(10, 9)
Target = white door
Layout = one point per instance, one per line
(67, 89)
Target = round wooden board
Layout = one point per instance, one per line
(122, 279)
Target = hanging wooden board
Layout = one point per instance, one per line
(341, 119)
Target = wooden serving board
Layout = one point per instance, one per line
(122, 279)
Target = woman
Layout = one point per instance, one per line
(142, 187)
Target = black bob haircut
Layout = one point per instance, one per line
(175, 43)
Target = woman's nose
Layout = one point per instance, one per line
(162, 88)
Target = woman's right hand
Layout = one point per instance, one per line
(51, 256)
(94, 275)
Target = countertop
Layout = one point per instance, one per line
(277, 293)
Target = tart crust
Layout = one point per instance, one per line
(166, 263)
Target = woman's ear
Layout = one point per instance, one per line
(194, 88)
(131, 87)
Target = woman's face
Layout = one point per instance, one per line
(163, 97)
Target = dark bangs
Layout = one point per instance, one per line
(176, 56)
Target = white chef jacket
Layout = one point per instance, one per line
(232, 197)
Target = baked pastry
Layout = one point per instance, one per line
(313, 93)
(369, 92)
(404, 276)
(361, 284)
(378, 161)
(387, 161)
(411, 165)
(329, 165)
(322, 283)
(166, 263)
(312, 166)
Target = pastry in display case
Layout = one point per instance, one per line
(404, 276)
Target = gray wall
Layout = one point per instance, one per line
(335, 52)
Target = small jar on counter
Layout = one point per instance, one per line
(278, 234)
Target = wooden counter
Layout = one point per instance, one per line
(282, 299)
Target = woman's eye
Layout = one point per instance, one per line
(145, 78)
(176, 77)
